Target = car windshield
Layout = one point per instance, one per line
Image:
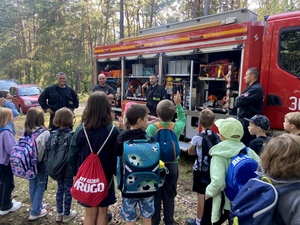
(28, 91)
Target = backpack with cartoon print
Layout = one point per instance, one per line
(138, 169)
(24, 156)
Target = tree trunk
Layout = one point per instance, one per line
(121, 19)
(91, 49)
(206, 7)
(195, 8)
(24, 51)
(151, 13)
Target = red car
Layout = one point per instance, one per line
(25, 96)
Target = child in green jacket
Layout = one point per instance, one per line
(231, 131)
(166, 194)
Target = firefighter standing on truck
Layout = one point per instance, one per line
(154, 94)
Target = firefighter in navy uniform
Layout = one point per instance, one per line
(58, 96)
(154, 94)
(250, 102)
(102, 86)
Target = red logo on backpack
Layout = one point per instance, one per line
(90, 186)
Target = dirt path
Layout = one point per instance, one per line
(80, 109)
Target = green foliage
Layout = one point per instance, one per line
(41, 37)
(270, 7)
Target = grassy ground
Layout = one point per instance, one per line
(185, 199)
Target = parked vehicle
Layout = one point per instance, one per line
(25, 96)
(206, 58)
(3, 93)
(7, 83)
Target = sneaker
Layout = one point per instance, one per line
(16, 206)
(191, 222)
(58, 217)
(68, 218)
(42, 214)
(109, 216)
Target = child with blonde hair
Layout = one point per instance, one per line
(7, 142)
(292, 123)
(280, 162)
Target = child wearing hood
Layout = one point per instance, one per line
(137, 118)
(231, 131)
(280, 162)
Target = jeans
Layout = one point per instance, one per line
(166, 194)
(6, 187)
(37, 187)
(63, 195)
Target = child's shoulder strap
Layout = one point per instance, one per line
(206, 144)
(149, 138)
(160, 126)
(3, 129)
(288, 188)
(209, 137)
(243, 151)
(172, 125)
(38, 132)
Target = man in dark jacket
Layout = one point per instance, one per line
(250, 102)
(102, 86)
(58, 96)
(154, 94)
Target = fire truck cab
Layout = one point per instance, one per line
(205, 59)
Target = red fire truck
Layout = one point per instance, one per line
(206, 59)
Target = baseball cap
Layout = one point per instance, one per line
(230, 128)
(259, 120)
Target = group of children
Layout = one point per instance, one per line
(210, 210)
(96, 121)
(208, 183)
(34, 126)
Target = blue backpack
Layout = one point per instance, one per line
(168, 142)
(256, 203)
(241, 169)
(138, 169)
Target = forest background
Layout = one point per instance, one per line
(39, 38)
